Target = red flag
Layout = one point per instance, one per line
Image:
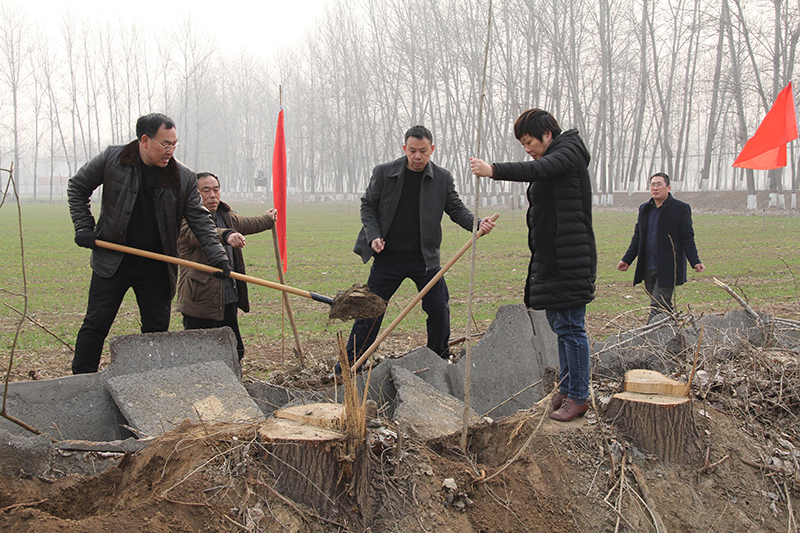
(767, 148)
(279, 187)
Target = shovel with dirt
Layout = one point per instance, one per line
(354, 302)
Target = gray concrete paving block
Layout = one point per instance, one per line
(24, 456)
(132, 354)
(423, 411)
(734, 327)
(267, 396)
(72, 407)
(661, 348)
(271, 397)
(159, 400)
(422, 361)
(787, 337)
(513, 354)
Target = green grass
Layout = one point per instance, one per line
(758, 256)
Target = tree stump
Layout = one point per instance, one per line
(312, 465)
(659, 422)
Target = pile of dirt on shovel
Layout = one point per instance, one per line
(357, 302)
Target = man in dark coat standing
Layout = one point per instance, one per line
(401, 213)
(146, 194)
(563, 266)
(663, 239)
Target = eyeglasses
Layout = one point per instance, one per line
(167, 147)
(657, 184)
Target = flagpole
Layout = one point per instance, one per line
(288, 307)
(276, 244)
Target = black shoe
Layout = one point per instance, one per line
(337, 369)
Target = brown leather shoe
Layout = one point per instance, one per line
(557, 399)
(570, 410)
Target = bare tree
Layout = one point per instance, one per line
(16, 50)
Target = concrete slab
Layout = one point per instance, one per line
(159, 400)
(423, 362)
(514, 353)
(132, 354)
(73, 407)
(735, 326)
(269, 397)
(423, 411)
(24, 456)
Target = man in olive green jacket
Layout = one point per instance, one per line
(207, 301)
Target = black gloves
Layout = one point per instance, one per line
(85, 238)
(226, 270)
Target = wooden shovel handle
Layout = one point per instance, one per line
(417, 298)
(208, 268)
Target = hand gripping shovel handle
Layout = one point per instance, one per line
(208, 268)
(417, 298)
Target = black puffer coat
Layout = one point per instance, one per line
(563, 265)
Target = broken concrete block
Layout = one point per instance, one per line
(269, 397)
(513, 354)
(423, 362)
(24, 456)
(423, 411)
(131, 354)
(734, 327)
(157, 401)
(73, 407)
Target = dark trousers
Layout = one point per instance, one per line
(660, 297)
(230, 319)
(150, 282)
(385, 277)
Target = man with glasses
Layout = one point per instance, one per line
(663, 239)
(146, 193)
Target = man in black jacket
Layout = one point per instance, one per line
(146, 193)
(401, 213)
(563, 266)
(663, 239)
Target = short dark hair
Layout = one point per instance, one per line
(150, 124)
(201, 175)
(535, 122)
(661, 175)
(418, 132)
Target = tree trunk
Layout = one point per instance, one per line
(659, 425)
(312, 464)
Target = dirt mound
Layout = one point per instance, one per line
(567, 478)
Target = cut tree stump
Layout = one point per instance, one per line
(323, 415)
(655, 413)
(312, 466)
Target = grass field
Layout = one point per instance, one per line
(758, 256)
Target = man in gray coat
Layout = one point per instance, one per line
(401, 213)
(146, 193)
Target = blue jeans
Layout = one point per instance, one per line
(573, 350)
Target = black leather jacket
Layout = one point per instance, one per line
(176, 198)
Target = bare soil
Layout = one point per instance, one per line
(568, 477)
(565, 477)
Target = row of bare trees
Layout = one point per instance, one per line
(652, 85)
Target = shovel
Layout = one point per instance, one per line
(355, 302)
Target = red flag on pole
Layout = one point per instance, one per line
(279, 187)
(767, 148)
